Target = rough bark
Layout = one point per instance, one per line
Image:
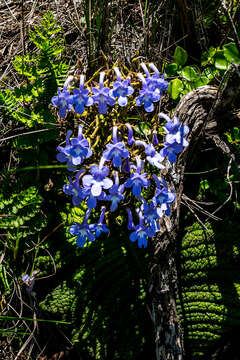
(206, 111)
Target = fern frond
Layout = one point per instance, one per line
(44, 71)
(211, 284)
(20, 213)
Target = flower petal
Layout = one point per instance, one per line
(96, 188)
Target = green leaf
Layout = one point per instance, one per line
(189, 73)
(171, 69)
(220, 61)
(231, 53)
(207, 56)
(175, 88)
(203, 80)
(236, 133)
(180, 55)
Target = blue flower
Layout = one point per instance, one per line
(155, 138)
(116, 193)
(100, 227)
(121, 89)
(91, 199)
(126, 166)
(131, 140)
(147, 96)
(174, 131)
(116, 151)
(80, 97)
(73, 189)
(141, 232)
(137, 180)
(151, 214)
(153, 157)
(75, 152)
(170, 150)
(154, 82)
(64, 101)
(98, 180)
(101, 96)
(162, 196)
(156, 160)
(83, 231)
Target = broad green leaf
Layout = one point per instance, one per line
(207, 56)
(180, 55)
(231, 53)
(189, 73)
(203, 80)
(171, 69)
(175, 88)
(220, 61)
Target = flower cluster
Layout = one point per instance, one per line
(120, 176)
(153, 87)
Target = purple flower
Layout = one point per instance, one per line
(147, 96)
(116, 151)
(100, 227)
(141, 232)
(137, 180)
(80, 97)
(73, 189)
(64, 101)
(98, 180)
(29, 280)
(116, 193)
(101, 96)
(174, 131)
(75, 152)
(83, 231)
(121, 89)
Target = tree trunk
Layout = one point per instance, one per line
(207, 112)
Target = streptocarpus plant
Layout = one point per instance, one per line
(128, 170)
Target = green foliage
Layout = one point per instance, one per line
(21, 217)
(214, 63)
(233, 137)
(175, 88)
(210, 291)
(60, 301)
(231, 53)
(43, 71)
